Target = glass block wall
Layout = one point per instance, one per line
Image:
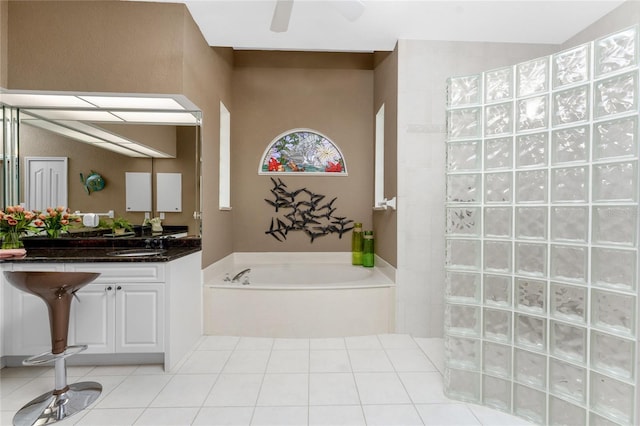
(542, 235)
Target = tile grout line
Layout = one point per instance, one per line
(103, 396)
(309, 381)
(355, 382)
(264, 373)
(435, 365)
(197, 349)
(395, 370)
(28, 380)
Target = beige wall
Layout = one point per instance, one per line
(96, 46)
(206, 79)
(134, 48)
(277, 91)
(4, 28)
(386, 92)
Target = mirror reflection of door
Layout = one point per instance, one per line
(45, 182)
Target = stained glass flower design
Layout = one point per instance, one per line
(302, 151)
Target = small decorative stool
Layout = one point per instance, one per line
(56, 289)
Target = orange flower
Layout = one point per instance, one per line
(56, 220)
(14, 222)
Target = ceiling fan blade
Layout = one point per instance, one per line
(350, 9)
(281, 16)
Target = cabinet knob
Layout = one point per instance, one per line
(119, 287)
(108, 289)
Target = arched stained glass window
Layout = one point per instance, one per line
(303, 151)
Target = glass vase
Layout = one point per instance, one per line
(12, 240)
(53, 233)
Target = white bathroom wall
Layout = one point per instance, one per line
(626, 15)
(423, 69)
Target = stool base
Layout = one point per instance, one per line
(49, 408)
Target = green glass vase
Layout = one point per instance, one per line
(12, 240)
(53, 233)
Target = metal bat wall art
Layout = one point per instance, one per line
(303, 210)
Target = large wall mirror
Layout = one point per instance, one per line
(54, 144)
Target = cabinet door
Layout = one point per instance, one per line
(92, 321)
(30, 328)
(140, 318)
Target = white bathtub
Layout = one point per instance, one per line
(298, 295)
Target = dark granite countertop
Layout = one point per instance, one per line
(97, 248)
(98, 254)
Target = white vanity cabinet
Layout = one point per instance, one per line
(122, 311)
(131, 308)
(118, 318)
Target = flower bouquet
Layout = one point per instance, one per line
(55, 221)
(14, 222)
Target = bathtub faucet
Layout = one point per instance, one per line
(239, 275)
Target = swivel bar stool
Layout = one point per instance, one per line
(56, 289)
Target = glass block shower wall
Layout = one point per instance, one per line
(542, 236)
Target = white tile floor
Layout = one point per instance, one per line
(370, 380)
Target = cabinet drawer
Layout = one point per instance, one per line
(122, 273)
(38, 267)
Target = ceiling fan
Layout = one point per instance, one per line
(350, 9)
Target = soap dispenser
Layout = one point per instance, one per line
(368, 250)
(356, 244)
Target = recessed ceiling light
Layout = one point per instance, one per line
(158, 117)
(61, 130)
(80, 115)
(97, 132)
(133, 102)
(120, 149)
(149, 152)
(43, 100)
